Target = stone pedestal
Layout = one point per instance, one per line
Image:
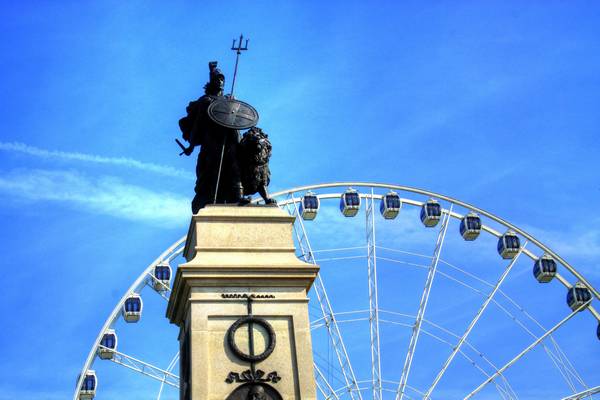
(240, 302)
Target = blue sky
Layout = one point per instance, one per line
(494, 103)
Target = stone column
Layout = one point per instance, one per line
(240, 302)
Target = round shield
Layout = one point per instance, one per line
(233, 114)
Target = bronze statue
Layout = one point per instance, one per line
(212, 122)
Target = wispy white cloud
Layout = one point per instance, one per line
(570, 242)
(104, 195)
(18, 147)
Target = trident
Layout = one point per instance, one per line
(238, 51)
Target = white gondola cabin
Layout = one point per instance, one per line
(87, 391)
(544, 269)
(470, 226)
(350, 203)
(108, 345)
(309, 206)
(509, 245)
(132, 308)
(431, 212)
(162, 277)
(578, 295)
(390, 205)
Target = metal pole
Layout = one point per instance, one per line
(219, 173)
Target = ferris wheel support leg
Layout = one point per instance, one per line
(328, 315)
(526, 350)
(373, 297)
(473, 322)
(423, 305)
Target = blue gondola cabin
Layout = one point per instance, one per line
(544, 269)
(132, 308)
(162, 277)
(509, 245)
(350, 203)
(577, 296)
(108, 345)
(431, 212)
(309, 206)
(88, 386)
(470, 226)
(390, 205)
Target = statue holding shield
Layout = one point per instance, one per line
(213, 123)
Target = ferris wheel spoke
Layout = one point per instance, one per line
(474, 321)
(583, 394)
(526, 350)
(566, 363)
(328, 314)
(423, 305)
(373, 298)
(169, 369)
(505, 390)
(323, 384)
(564, 368)
(144, 368)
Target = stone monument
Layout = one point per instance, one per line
(241, 304)
(240, 299)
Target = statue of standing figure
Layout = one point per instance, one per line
(218, 159)
(228, 170)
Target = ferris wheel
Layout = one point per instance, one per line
(419, 296)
